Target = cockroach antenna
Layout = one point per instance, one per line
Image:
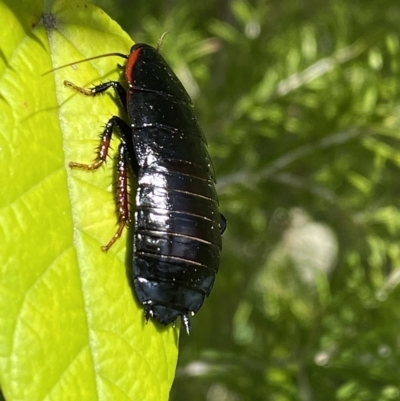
(159, 43)
(85, 60)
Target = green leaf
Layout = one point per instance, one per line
(70, 327)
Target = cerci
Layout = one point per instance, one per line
(178, 227)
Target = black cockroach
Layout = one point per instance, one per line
(178, 227)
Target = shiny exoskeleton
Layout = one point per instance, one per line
(178, 226)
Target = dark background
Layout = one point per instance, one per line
(299, 101)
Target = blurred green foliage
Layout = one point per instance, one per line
(300, 103)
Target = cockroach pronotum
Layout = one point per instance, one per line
(178, 227)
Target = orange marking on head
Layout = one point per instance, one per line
(129, 65)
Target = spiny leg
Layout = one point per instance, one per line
(102, 150)
(125, 134)
(122, 195)
(119, 89)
